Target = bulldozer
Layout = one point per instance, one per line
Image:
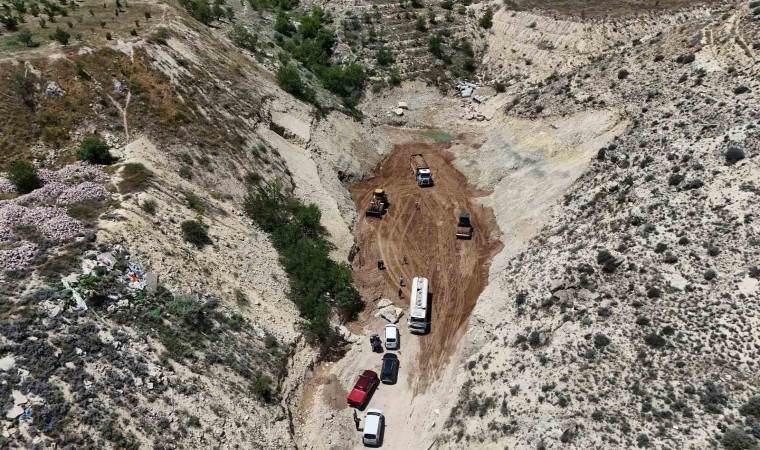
(464, 226)
(377, 203)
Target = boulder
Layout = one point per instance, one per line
(7, 363)
(398, 112)
(390, 313)
(383, 302)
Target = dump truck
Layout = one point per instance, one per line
(377, 203)
(421, 170)
(419, 312)
(464, 226)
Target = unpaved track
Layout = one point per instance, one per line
(457, 269)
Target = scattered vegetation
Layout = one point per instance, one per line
(134, 177)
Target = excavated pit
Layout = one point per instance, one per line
(457, 269)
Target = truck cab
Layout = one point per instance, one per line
(424, 177)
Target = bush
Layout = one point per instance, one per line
(654, 340)
(741, 90)
(737, 439)
(734, 155)
(23, 175)
(61, 36)
(242, 38)
(134, 177)
(289, 79)
(187, 308)
(751, 408)
(487, 20)
(622, 74)
(149, 206)
(195, 233)
(93, 149)
(25, 37)
(601, 341)
(384, 56)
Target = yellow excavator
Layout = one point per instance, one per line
(377, 203)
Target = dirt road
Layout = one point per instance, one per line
(457, 269)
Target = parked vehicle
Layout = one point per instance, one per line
(363, 389)
(419, 312)
(389, 369)
(391, 337)
(421, 170)
(374, 426)
(464, 226)
(376, 344)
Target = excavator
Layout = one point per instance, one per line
(378, 203)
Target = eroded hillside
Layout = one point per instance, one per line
(166, 284)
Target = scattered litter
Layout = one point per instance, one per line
(466, 89)
(480, 98)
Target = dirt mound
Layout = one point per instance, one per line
(457, 269)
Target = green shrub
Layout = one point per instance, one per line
(289, 79)
(187, 308)
(261, 387)
(61, 36)
(317, 283)
(487, 20)
(195, 233)
(149, 206)
(94, 150)
(384, 56)
(23, 175)
(242, 38)
(26, 38)
(737, 439)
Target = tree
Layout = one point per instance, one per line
(61, 36)
(283, 25)
(94, 150)
(435, 45)
(24, 177)
(487, 20)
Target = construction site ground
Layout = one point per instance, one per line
(458, 273)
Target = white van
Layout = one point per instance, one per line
(373, 428)
(391, 337)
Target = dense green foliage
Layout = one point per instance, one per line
(23, 175)
(95, 150)
(60, 36)
(317, 283)
(312, 45)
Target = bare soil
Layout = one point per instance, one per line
(457, 269)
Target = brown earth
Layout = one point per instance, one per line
(457, 269)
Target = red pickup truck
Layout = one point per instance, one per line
(363, 388)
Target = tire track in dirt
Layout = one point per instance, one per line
(457, 269)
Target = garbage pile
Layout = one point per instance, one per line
(131, 273)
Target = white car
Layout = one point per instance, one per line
(391, 337)
(374, 424)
